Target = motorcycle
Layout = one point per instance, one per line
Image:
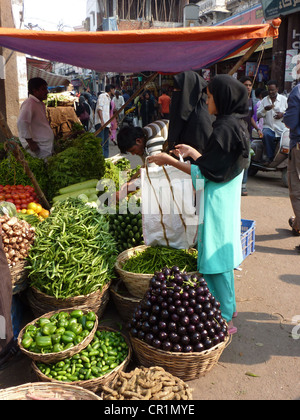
(280, 160)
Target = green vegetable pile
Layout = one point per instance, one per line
(12, 173)
(73, 253)
(81, 162)
(127, 230)
(60, 332)
(107, 350)
(155, 258)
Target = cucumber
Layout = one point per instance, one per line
(80, 186)
(74, 194)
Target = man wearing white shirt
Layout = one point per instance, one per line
(35, 133)
(272, 109)
(102, 115)
(119, 102)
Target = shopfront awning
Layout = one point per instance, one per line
(159, 50)
(51, 78)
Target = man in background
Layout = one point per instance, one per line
(35, 133)
(102, 115)
(272, 109)
(292, 121)
(164, 102)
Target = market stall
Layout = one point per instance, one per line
(176, 328)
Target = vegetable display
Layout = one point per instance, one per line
(127, 229)
(12, 173)
(154, 258)
(60, 332)
(152, 383)
(73, 253)
(82, 161)
(18, 237)
(107, 350)
(19, 195)
(179, 314)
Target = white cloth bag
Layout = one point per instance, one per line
(171, 214)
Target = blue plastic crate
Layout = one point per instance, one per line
(247, 237)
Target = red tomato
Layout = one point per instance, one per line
(22, 196)
(23, 206)
(2, 197)
(10, 200)
(15, 196)
(17, 201)
(8, 196)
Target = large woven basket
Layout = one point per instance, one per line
(137, 284)
(123, 300)
(40, 303)
(43, 391)
(56, 357)
(187, 366)
(19, 277)
(96, 384)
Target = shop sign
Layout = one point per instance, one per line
(274, 8)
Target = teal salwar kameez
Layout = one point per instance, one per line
(219, 238)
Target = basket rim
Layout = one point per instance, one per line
(39, 292)
(59, 355)
(217, 347)
(114, 291)
(98, 380)
(37, 385)
(125, 253)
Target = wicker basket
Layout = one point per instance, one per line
(42, 391)
(19, 277)
(137, 284)
(96, 384)
(123, 300)
(187, 366)
(40, 303)
(56, 357)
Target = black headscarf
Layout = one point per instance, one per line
(227, 152)
(190, 122)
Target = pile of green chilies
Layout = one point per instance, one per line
(73, 253)
(157, 257)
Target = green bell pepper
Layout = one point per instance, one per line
(43, 341)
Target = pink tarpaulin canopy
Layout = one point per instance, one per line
(159, 50)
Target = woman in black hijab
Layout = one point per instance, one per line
(219, 171)
(190, 122)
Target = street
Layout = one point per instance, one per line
(262, 361)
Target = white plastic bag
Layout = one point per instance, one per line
(171, 214)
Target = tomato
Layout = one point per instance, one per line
(18, 202)
(10, 201)
(15, 196)
(23, 206)
(22, 196)
(2, 197)
(8, 196)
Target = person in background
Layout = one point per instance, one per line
(292, 121)
(83, 112)
(147, 109)
(260, 93)
(190, 122)
(119, 101)
(8, 345)
(272, 109)
(164, 102)
(35, 133)
(220, 167)
(102, 115)
(249, 119)
(113, 124)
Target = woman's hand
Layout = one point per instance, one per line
(161, 159)
(186, 151)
